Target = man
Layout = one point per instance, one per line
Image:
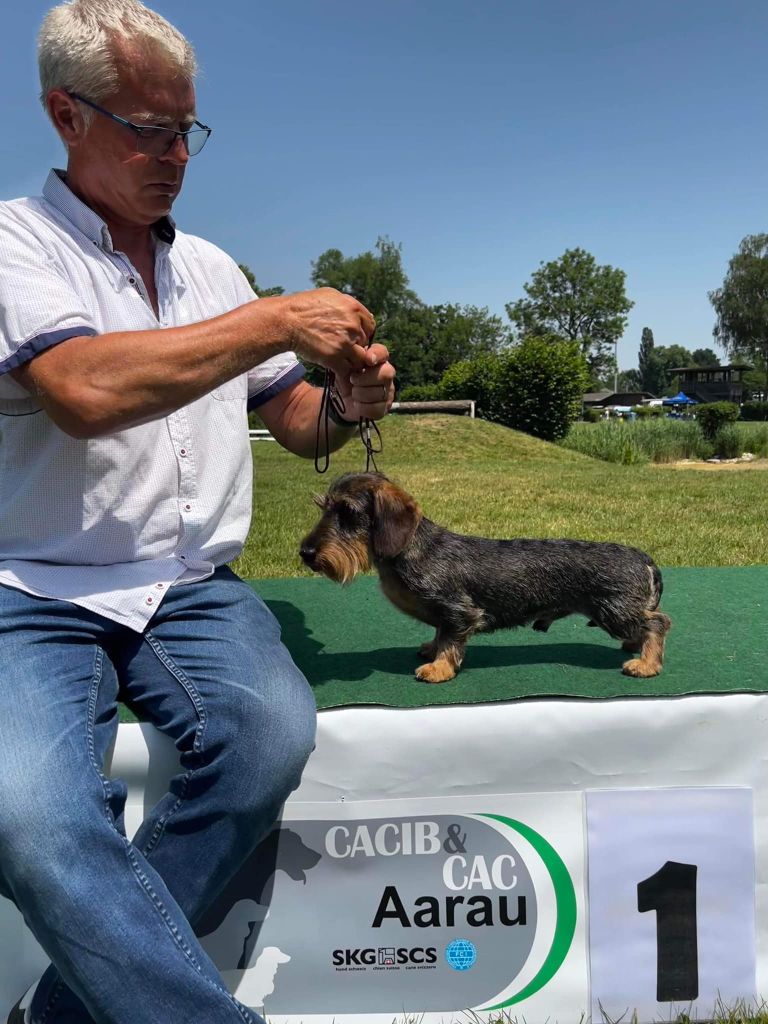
(129, 351)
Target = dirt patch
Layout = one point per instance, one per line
(717, 466)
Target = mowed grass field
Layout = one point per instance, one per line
(478, 477)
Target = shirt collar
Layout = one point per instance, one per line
(58, 194)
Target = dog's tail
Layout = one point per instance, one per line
(657, 586)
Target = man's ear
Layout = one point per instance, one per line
(395, 518)
(67, 117)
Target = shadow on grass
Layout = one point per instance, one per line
(321, 667)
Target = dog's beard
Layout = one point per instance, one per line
(342, 562)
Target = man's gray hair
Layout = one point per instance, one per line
(76, 45)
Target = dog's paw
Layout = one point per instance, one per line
(435, 672)
(541, 625)
(639, 669)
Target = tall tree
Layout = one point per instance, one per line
(377, 279)
(573, 298)
(645, 364)
(263, 293)
(741, 305)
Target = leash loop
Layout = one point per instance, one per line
(331, 399)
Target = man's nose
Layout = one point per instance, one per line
(178, 153)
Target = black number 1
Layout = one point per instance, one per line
(671, 892)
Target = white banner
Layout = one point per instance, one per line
(436, 860)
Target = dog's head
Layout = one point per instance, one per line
(365, 518)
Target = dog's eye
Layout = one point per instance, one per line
(346, 516)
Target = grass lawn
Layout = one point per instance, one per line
(478, 477)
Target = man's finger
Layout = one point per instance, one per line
(377, 354)
(356, 358)
(367, 321)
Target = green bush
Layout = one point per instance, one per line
(536, 386)
(728, 443)
(474, 379)
(593, 415)
(421, 393)
(715, 415)
(540, 387)
(754, 411)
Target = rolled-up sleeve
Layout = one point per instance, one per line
(273, 375)
(39, 307)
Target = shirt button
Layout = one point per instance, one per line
(159, 586)
(182, 451)
(150, 600)
(188, 508)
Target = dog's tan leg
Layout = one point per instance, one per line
(652, 649)
(447, 662)
(429, 649)
(633, 644)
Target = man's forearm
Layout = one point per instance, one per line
(113, 381)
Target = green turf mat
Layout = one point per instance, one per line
(355, 648)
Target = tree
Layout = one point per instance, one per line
(755, 380)
(376, 279)
(573, 298)
(646, 365)
(263, 293)
(425, 340)
(664, 359)
(629, 380)
(705, 357)
(741, 305)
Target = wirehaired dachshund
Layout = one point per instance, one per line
(463, 585)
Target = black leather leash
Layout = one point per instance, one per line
(332, 407)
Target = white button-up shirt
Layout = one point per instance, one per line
(110, 523)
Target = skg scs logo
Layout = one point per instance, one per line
(388, 956)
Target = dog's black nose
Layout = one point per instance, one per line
(307, 552)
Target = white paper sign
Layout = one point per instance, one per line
(671, 900)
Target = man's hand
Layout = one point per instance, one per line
(368, 393)
(327, 327)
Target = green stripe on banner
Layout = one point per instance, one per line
(356, 648)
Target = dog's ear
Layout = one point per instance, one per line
(395, 518)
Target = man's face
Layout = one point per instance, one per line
(121, 183)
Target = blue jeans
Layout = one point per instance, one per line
(116, 917)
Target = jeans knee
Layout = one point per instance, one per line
(270, 744)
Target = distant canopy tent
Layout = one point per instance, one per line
(680, 399)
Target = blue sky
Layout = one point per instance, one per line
(484, 136)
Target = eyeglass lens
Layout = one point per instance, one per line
(157, 141)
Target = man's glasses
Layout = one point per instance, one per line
(152, 139)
